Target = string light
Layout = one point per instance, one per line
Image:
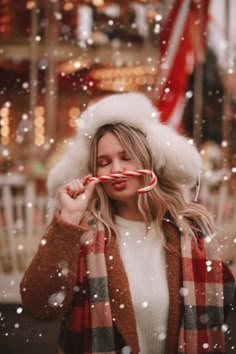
(124, 79)
(39, 129)
(74, 114)
(98, 3)
(68, 5)
(5, 125)
(30, 5)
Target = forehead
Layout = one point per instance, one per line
(109, 142)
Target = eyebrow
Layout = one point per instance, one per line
(107, 155)
(102, 157)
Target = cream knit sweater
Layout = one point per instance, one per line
(143, 256)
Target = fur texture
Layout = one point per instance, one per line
(173, 153)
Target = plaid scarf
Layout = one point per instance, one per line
(202, 328)
(89, 329)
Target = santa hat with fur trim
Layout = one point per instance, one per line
(173, 153)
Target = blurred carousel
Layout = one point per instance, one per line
(218, 194)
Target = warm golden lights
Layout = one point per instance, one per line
(124, 79)
(68, 5)
(98, 3)
(74, 114)
(39, 129)
(5, 125)
(30, 5)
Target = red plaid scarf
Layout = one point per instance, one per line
(203, 292)
(90, 330)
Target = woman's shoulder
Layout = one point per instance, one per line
(195, 225)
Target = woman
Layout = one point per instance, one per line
(129, 273)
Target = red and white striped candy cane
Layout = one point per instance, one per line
(130, 174)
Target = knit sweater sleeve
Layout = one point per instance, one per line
(48, 283)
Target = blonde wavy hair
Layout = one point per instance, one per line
(165, 200)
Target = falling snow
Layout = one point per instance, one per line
(36, 125)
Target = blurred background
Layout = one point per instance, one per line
(56, 56)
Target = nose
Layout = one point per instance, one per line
(117, 166)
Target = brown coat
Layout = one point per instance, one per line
(62, 247)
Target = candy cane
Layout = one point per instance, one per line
(130, 174)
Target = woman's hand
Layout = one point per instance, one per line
(74, 198)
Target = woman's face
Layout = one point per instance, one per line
(112, 158)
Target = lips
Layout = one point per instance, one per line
(119, 183)
(119, 180)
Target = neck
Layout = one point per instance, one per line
(128, 211)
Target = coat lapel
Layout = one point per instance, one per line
(174, 278)
(120, 297)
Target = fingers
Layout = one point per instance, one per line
(85, 179)
(90, 188)
(77, 187)
(74, 188)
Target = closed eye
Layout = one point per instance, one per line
(126, 157)
(103, 163)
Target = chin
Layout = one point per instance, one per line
(123, 196)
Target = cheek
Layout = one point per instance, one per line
(133, 166)
(139, 181)
(107, 188)
(102, 171)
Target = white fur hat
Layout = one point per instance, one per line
(174, 154)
